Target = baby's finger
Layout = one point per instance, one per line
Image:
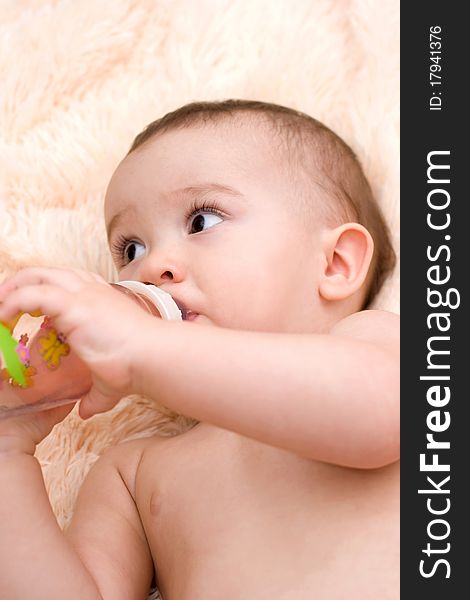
(45, 299)
(67, 279)
(6, 288)
(28, 276)
(95, 402)
(80, 274)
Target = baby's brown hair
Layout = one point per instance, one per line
(325, 159)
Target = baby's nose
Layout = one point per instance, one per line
(167, 275)
(157, 270)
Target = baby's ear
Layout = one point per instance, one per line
(348, 252)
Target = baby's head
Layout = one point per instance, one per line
(252, 215)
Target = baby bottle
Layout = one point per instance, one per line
(39, 370)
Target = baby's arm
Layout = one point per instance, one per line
(106, 530)
(105, 555)
(331, 397)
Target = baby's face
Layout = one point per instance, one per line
(208, 214)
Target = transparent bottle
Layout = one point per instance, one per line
(38, 368)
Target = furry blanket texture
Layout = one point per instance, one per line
(79, 79)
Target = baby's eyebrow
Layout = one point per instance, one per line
(207, 188)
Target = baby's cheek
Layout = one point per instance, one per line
(249, 296)
(258, 312)
(276, 307)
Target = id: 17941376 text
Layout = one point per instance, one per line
(435, 68)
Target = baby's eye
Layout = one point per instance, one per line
(204, 219)
(125, 251)
(132, 250)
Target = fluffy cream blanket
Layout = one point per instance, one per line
(80, 79)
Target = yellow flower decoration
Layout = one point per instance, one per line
(29, 373)
(52, 348)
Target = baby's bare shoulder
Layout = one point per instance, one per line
(376, 326)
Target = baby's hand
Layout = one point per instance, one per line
(22, 434)
(100, 324)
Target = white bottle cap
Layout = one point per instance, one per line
(165, 304)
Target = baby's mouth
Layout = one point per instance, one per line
(189, 315)
(186, 313)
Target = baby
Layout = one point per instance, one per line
(258, 220)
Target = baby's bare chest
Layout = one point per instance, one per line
(213, 494)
